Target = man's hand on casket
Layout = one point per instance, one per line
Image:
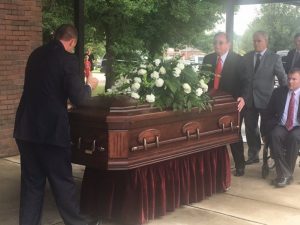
(241, 103)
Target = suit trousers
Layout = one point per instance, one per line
(285, 145)
(38, 163)
(237, 149)
(252, 130)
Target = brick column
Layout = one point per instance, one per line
(20, 33)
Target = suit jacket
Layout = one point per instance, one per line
(51, 77)
(288, 60)
(276, 107)
(262, 81)
(233, 79)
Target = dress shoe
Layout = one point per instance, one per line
(239, 172)
(251, 161)
(278, 180)
(283, 181)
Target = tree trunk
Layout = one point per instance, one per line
(110, 57)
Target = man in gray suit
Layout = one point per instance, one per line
(262, 66)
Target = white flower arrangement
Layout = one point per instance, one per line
(165, 84)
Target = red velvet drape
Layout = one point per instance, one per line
(137, 195)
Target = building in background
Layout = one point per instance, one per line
(20, 33)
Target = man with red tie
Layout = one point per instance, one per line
(229, 76)
(283, 122)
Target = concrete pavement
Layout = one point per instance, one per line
(251, 200)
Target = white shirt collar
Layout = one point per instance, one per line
(261, 53)
(297, 91)
(223, 57)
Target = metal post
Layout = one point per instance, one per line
(230, 19)
(79, 24)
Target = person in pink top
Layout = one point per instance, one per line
(87, 67)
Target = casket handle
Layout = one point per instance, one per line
(156, 142)
(145, 143)
(91, 151)
(231, 126)
(192, 130)
(188, 135)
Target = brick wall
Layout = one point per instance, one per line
(20, 33)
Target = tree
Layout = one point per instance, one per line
(130, 28)
(134, 28)
(280, 21)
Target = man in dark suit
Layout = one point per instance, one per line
(228, 68)
(283, 122)
(262, 66)
(42, 128)
(293, 57)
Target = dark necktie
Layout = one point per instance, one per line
(257, 62)
(290, 117)
(218, 72)
(295, 59)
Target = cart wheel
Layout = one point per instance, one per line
(264, 171)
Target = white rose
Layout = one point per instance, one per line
(157, 62)
(187, 88)
(159, 82)
(201, 82)
(180, 66)
(203, 85)
(150, 98)
(162, 70)
(135, 95)
(142, 72)
(135, 86)
(199, 92)
(137, 80)
(155, 75)
(176, 72)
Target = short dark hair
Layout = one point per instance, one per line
(262, 33)
(296, 35)
(222, 33)
(294, 70)
(66, 32)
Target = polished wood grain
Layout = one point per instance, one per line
(120, 136)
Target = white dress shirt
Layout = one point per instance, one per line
(286, 108)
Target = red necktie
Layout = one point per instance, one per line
(290, 117)
(218, 71)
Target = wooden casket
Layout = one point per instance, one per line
(116, 134)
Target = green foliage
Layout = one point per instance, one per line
(280, 21)
(55, 13)
(129, 28)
